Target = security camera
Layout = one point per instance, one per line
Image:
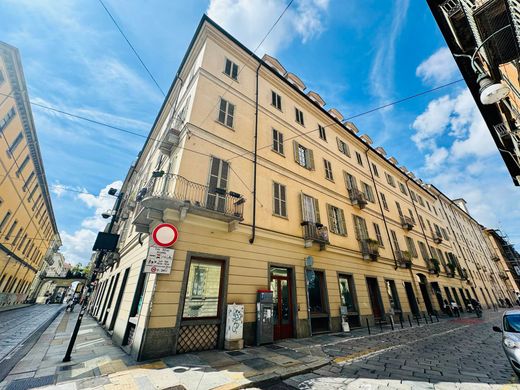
(106, 215)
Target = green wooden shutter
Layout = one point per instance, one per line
(295, 149)
(342, 224)
(310, 159)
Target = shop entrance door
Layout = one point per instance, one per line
(282, 303)
(375, 298)
(411, 298)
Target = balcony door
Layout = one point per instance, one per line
(310, 210)
(218, 182)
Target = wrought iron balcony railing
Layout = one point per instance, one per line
(404, 258)
(495, 258)
(502, 275)
(437, 238)
(433, 266)
(407, 222)
(315, 232)
(369, 249)
(166, 190)
(357, 198)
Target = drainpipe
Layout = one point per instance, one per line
(253, 227)
(381, 209)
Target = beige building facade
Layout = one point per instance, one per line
(272, 190)
(28, 232)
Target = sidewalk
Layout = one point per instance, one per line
(97, 363)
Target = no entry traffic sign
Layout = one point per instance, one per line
(165, 234)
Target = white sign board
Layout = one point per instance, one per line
(235, 322)
(159, 260)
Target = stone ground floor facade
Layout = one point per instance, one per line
(158, 315)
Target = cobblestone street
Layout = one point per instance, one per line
(463, 353)
(17, 327)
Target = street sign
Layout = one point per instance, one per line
(159, 260)
(165, 234)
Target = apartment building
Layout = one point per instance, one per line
(484, 37)
(270, 189)
(28, 233)
(507, 257)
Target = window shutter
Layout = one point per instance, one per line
(295, 148)
(302, 203)
(330, 215)
(316, 209)
(347, 181)
(339, 144)
(342, 225)
(310, 159)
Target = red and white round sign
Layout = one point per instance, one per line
(165, 234)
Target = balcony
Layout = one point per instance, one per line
(450, 270)
(437, 238)
(315, 232)
(502, 275)
(169, 191)
(434, 266)
(407, 223)
(169, 141)
(463, 273)
(404, 259)
(369, 249)
(496, 259)
(357, 198)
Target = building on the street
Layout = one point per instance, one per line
(484, 37)
(507, 257)
(270, 189)
(28, 233)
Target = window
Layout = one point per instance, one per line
(411, 215)
(310, 209)
(399, 209)
(323, 135)
(336, 220)
(7, 119)
(390, 179)
(421, 221)
(420, 200)
(394, 240)
(5, 220)
(22, 166)
(367, 190)
(328, 170)
(374, 169)
(379, 237)
(429, 208)
(277, 141)
(279, 197)
(299, 116)
(424, 252)
(346, 292)
(218, 178)
(226, 112)
(350, 182)
(402, 188)
(316, 291)
(32, 192)
(343, 147)
(202, 297)
(411, 246)
(17, 237)
(359, 159)
(10, 231)
(361, 228)
(303, 156)
(15, 144)
(231, 69)
(276, 100)
(391, 290)
(444, 234)
(383, 200)
(21, 242)
(412, 195)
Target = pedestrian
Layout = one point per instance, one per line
(455, 308)
(447, 308)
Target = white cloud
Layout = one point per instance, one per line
(432, 122)
(250, 20)
(439, 68)
(77, 246)
(435, 159)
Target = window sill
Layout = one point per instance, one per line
(235, 80)
(280, 216)
(224, 125)
(278, 153)
(331, 180)
(279, 109)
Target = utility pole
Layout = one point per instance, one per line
(92, 280)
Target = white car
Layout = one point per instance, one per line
(511, 338)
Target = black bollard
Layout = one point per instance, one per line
(391, 322)
(381, 325)
(410, 321)
(368, 325)
(401, 321)
(417, 319)
(431, 318)
(425, 319)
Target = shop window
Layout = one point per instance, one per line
(203, 289)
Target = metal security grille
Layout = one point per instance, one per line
(197, 338)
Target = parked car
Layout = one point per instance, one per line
(511, 338)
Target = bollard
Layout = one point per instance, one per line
(401, 320)
(417, 319)
(368, 325)
(391, 322)
(431, 318)
(436, 316)
(410, 321)
(425, 319)
(381, 325)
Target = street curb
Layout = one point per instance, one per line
(6, 308)
(28, 343)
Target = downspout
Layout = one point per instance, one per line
(381, 209)
(253, 227)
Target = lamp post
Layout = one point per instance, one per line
(97, 264)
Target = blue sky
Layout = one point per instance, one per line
(357, 54)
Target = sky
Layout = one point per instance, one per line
(357, 54)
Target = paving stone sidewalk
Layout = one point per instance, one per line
(97, 363)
